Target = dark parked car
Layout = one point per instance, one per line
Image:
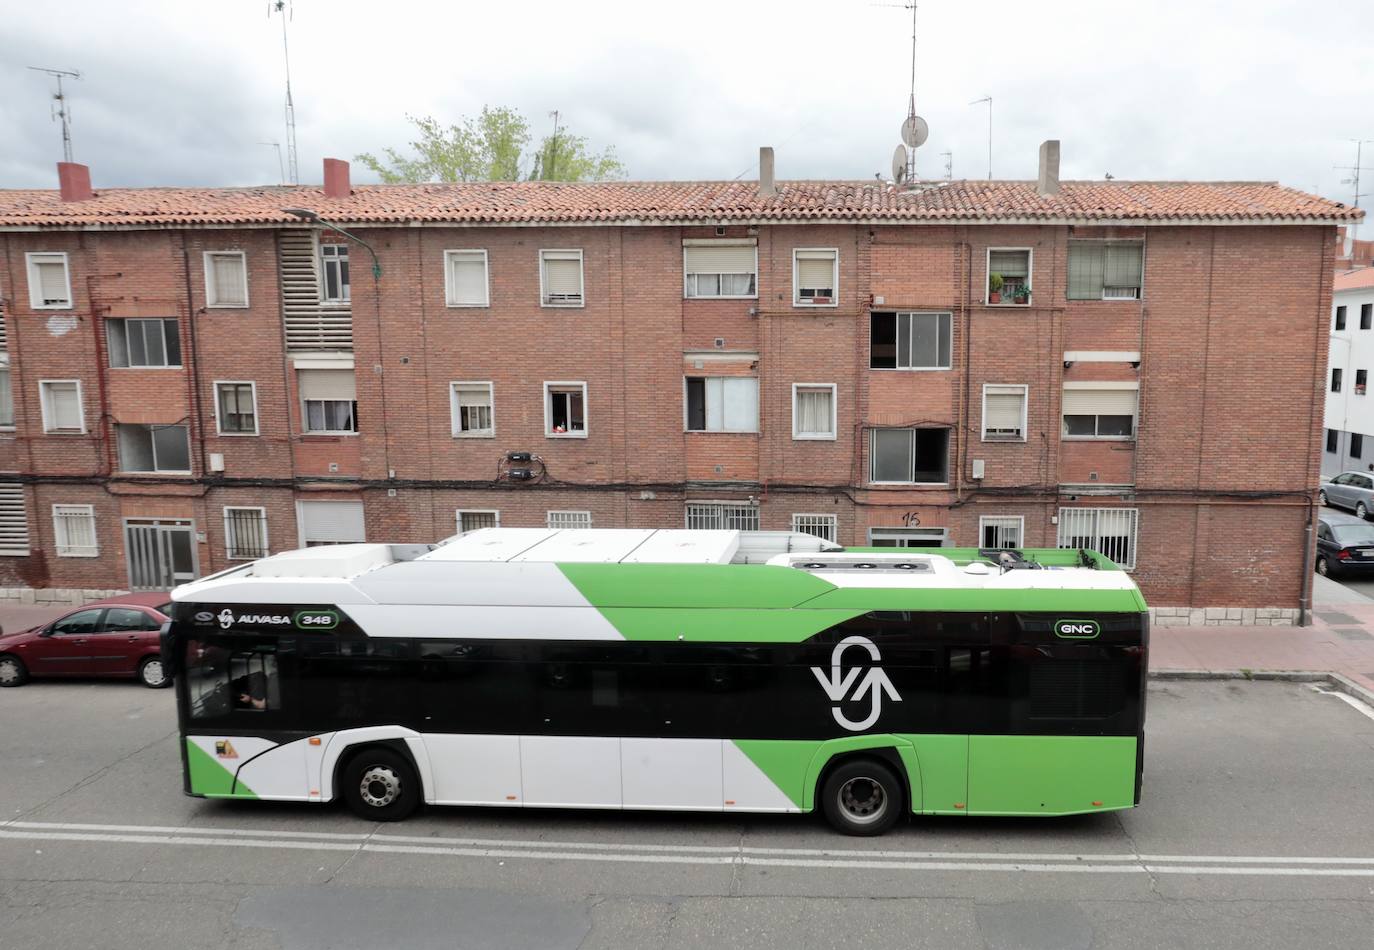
(117, 637)
(1344, 547)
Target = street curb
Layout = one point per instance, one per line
(1340, 683)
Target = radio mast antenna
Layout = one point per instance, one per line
(60, 110)
(282, 7)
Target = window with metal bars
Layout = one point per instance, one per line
(74, 531)
(1108, 531)
(569, 519)
(715, 516)
(822, 526)
(1001, 531)
(245, 533)
(476, 520)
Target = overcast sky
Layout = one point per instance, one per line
(172, 94)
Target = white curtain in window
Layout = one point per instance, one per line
(732, 404)
(813, 411)
(229, 279)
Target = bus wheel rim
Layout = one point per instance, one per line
(152, 673)
(863, 800)
(9, 671)
(380, 786)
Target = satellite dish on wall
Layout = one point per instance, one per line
(899, 164)
(915, 131)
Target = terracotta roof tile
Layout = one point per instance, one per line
(677, 201)
(1360, 278)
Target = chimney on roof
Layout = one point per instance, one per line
(336, 184)
(767, 187)
(1049, 168)
(74, 181)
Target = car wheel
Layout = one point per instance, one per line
(152, 673)
(862, 797)
(1361, 510)
(379, 784)
(12, 671)
(1321, 499)
(1323, 567)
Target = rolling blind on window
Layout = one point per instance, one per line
(333, 384)
(1122, 268)
(52, 281)
(1099, 402)
(467, 278)
(721, 259)
(1003, 408)
(1086, 262)
(562, 275)
(1008, 263)
(815, 270)
(335, 521)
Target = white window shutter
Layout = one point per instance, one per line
(468, 278)
(332, 384)
(720, 259)
(1099, 402)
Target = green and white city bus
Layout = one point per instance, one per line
(650, 669)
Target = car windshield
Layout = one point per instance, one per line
(1352, 534)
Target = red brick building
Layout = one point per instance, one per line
(199, 375)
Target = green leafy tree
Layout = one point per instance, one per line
(491, 147)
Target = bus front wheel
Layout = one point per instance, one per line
(862, 797)
(380, 784)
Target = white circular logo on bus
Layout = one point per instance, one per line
(841, 687)
(226, 618)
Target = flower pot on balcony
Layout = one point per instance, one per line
(994, 297)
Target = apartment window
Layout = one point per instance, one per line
(1108, 531)
(329, 400)
(60, 401)
(1001, 531)
(143, 343)
(334, 274)
(909, 456)
(569, 519)
(815, 277)
(475, 520)
(73, 528)
(472, 406)
(50, 285)
(907, 537)
(1105, 270)
(245, 533)
(1356, 445)
(1009, 272)
(330, 522)
(720, 269)
(1340, 318)
(236, 408)
(1366, 315)
(1361, 379)
(560, 278)
(1335, 379)
(465, 279)
(6, 399)
(822, 526)
(1004, 413)
(1101, 412)
(226, 279)
(14, 520)
(154, 448)
(909, 341)
(813, 411)
(720, 516)
(565, 410)
(1331, 440)
(722, 404)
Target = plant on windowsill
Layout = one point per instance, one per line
(1359, 390)
(995, 283)
(1022, 294)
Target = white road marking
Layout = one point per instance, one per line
(1362, 707)
(803, 858)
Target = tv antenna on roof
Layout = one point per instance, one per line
(60, 110)
(1354, 178)
(915, 131)
(281, 169)
(287, 12)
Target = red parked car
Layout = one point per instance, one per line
(118, 637)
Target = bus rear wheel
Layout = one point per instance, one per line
(862, 797)
(380, 784)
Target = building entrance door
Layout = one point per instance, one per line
(162, 553)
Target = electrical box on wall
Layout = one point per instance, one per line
(977, 468)
(216, 461)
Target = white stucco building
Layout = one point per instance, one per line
(1349, 444)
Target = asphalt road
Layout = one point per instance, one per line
(1257, 830)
